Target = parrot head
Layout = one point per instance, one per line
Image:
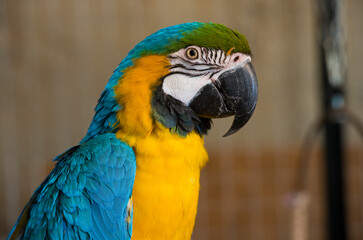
(180, 77)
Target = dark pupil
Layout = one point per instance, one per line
(192, 53)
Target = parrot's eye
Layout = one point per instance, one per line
(192, 53)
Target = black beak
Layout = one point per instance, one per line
(233, 93)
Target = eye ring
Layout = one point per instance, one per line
(192, 53)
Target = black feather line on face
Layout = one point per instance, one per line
(173, 114)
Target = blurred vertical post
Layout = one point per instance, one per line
(331, 44)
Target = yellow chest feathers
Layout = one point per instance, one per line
(165, 193)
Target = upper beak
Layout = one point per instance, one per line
(233, 93)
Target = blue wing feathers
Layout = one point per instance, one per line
(85, 196)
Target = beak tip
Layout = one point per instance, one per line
(240, 121)
(229, 133)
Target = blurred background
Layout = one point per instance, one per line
(57, 56)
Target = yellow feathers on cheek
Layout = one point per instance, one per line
(134, 93)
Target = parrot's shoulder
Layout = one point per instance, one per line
(86, 194)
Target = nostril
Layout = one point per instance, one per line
(236, 59)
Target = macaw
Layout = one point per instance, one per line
(135, 175)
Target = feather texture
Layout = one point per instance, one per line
(85, 196)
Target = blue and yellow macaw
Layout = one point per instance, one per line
(135, 175)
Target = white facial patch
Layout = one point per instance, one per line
(183, 87)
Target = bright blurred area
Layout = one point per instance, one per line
(56, 57)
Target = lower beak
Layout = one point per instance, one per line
(233, 93)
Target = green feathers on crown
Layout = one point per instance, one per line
(216, 36)
(209, 35)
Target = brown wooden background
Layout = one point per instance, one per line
(56, 57)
